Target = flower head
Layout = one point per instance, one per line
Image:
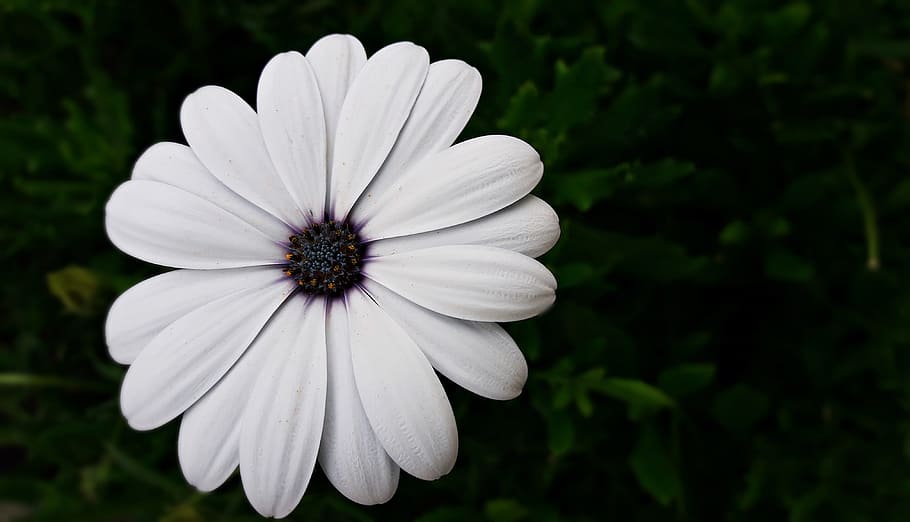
(333, 248)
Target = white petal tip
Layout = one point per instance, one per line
(271, 507)
(202, 484)
(119, 358)
(432, 474)
(507, 394)
(140, 424)
(371, 498)
(116, 355)
(337, 38)
(410, 46)
(438, 466)
(192, 96)
(136, 416)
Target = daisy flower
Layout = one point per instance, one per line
(333, 248)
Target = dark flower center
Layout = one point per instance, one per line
(324, 258)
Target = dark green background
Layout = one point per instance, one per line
(731, 339)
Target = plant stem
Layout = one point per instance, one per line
(25, 380)
(870, 222)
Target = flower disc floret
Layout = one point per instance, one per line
(324, 258)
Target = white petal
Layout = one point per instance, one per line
(442, 109)
(336, 60)
(144, 310)
(464, 182)
(176, 165)
(282, 422)
(350, 455)
(188, 357)
(472, 282)
(293, 126)
(168, 226)
(530, 227)
(374, 111)
(404, 400)
(480, 357)
(224, 133)
(209, 441)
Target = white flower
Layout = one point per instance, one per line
(334, 248)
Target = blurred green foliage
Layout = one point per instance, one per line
(731, 338)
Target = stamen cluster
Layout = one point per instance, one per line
(324, 258)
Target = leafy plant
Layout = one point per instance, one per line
(731, 334)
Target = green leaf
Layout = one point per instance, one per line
(686, 379)
(667, 31)
(578, 89)
(784, 266)
(560, 432)
(584, 189)
(76, 288)
(660, 174)
(636, 113)
(517, 55)
(652, 259)
(505, 510)
(899, 198)
(93, 478)
(583, 384)
(739, 408)
(775, 227)
(583, 403)
(562, 396)
(591, 378)
(734, 233)
(574, 274)
(448, 514)
(881, 48)
(788, 19)
(523, 110)
(184, 512)
(724, 79)
(651, 463)
(640, 396)
(755, 481)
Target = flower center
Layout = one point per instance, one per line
(324, 258)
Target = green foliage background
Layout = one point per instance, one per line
(731, 339)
